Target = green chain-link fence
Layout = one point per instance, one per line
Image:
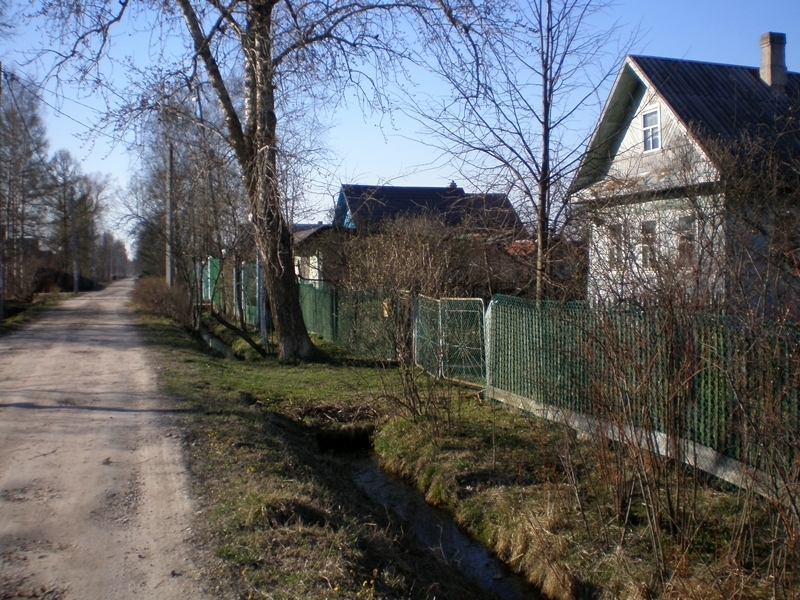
(358, 321)
(709, 379)
(318, 302)
(211, 276)
(249, 284)
(448, 338)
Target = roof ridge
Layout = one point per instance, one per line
(698, 62)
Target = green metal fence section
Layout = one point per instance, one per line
(531, 355)
(448, 338)
(249, 291)
(696, 377)
(211, 276)
(318, 303)
(358, 321)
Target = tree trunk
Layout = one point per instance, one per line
(543, 209)
(255, 145)
(272, 233)
(284, 300)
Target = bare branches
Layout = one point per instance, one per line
(101, 19)
(519, 75)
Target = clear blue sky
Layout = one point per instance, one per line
(725, 31)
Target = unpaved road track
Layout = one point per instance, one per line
(93, 494)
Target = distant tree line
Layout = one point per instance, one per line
(51, 212)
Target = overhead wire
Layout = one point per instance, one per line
(14, 77)
(24, 122)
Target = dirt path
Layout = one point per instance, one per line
(93, 500)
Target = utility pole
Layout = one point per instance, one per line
(170, 171)
(76, 275)
(94, 254)
(2, 271)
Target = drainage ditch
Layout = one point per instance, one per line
(435, 529)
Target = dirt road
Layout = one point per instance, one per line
(93, 496)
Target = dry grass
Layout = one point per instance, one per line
(537, 497)
(152, 295)
(279, 518)
(284, 520)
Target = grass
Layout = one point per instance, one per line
(279, 518)
(17, 313)
(283, 520)
(533, 493)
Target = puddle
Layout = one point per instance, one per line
(435, 529)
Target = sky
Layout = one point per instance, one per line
(376, 149)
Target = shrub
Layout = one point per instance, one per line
(151, 294)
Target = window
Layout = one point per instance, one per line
(650, 129)
(648, 244)
(685, 238)
(616, 246)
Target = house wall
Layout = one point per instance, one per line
(320, 257)
(676, 163)
(639, 238)
(764, 258)
(641, 251)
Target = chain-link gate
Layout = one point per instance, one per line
(448, 338)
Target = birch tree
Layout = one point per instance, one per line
(262, 59)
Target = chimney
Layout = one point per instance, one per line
(773, 61)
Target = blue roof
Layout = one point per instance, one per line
(365, 206)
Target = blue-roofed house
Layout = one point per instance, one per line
(488, 224)
(653, 185)
(368, 206)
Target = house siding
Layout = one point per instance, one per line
(634, 170)
(618, 269)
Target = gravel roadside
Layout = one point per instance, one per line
(93, 491)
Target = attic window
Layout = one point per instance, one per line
(651, 131)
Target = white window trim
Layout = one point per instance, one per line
(657, 109)
(618, 253)
(648, 245)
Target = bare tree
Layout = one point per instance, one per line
(520, 77)
(23, 150)
(262, 59)
(73, 202)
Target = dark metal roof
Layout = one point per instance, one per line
(303, 231)
(722, 100)
(714, 102)
(370, 205)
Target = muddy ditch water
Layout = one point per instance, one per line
(430, 526)
(436, 529)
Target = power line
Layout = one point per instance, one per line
(9, 77)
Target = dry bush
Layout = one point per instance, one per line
(695, 336)
(154, 296)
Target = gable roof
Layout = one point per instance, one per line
(303, 231)
(711, 101)
(366, 206)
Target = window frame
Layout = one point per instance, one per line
(686, 234)
(648, 241)
(655, 109)
(617, 245)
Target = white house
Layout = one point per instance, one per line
(650, 181)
